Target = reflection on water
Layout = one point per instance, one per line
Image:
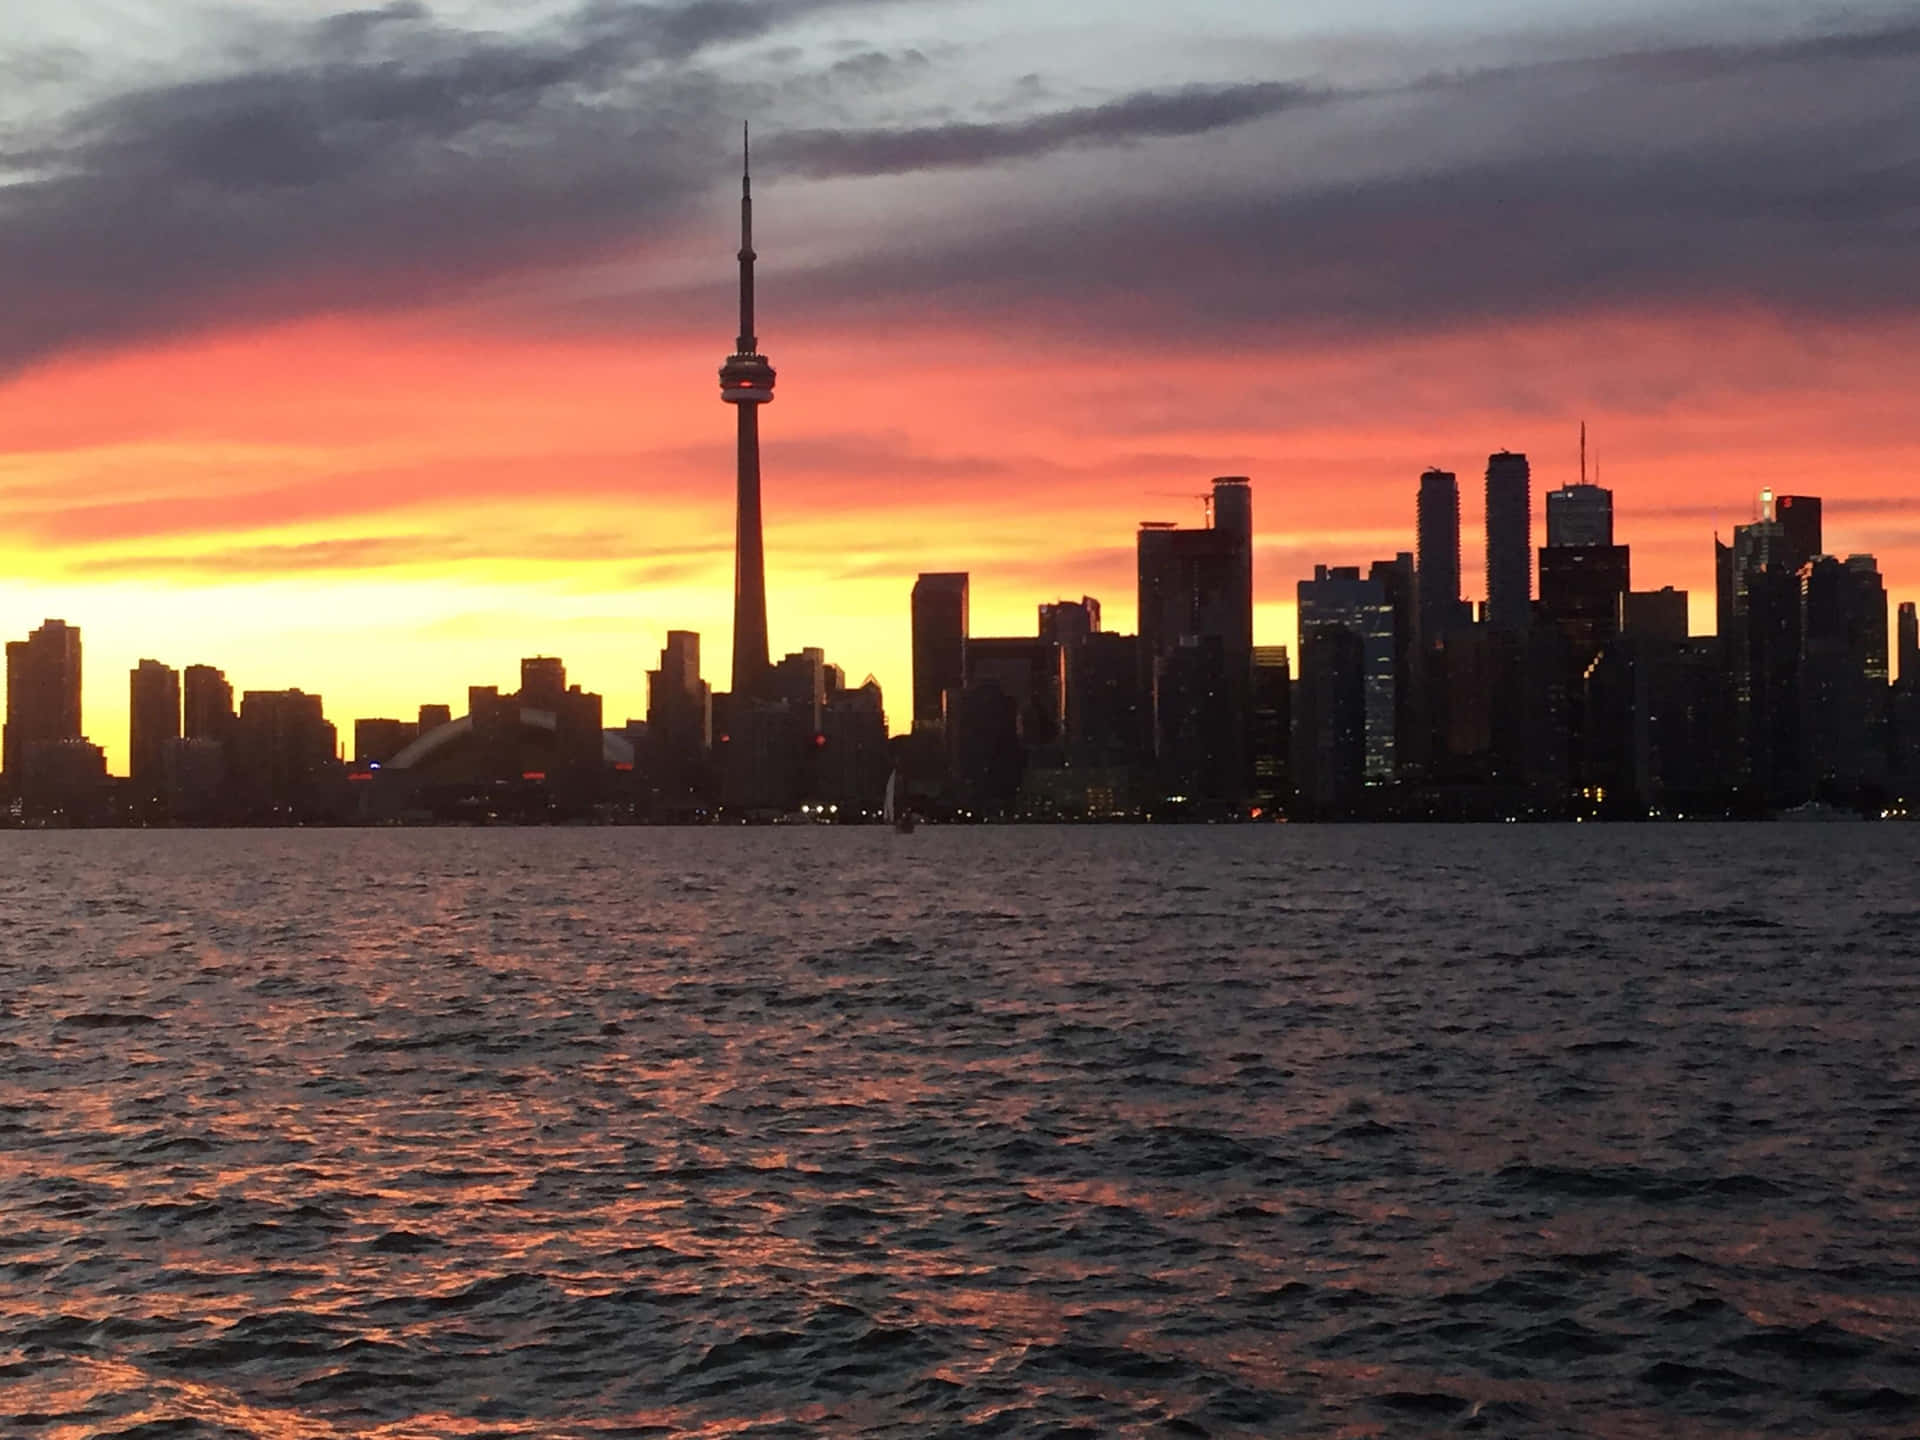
(1130, 1132)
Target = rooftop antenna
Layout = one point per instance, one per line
(1583, 452)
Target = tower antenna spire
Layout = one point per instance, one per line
(1583, 452)
(749, 342)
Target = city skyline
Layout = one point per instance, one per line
(381, 470)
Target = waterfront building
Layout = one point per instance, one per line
(43, 693)
(1509, 542)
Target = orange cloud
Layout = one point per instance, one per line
(385, 511)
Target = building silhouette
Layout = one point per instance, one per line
(1657, 614)
(1509, 542)
(1196, 648)
(1844, 693)
(282, 757)
(207, 704)
(1069, 622)
(1909, 643)
(43, 695)
(1583, 592)
(1399, 583)
(1271, 738)
(376, 740)
(1438, 537)
(1580, 515)
(679, 725)
(153, 725)
(1337, 597)
(1330, 722)
(940, 620)
(1800, 529)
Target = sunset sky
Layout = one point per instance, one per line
(369, 352)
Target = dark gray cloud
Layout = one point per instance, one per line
(385, 157)
(1193, 110)
(1779, 178)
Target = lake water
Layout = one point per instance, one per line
(1089, 1132)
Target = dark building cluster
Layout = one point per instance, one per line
(1188, 717)
(538, 754)
(1592, 698)
(1589, 699)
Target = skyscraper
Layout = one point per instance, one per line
(1439, 547)
(1399, 581)
(746, 383)
(1909, 643)
(939, 645)
(1659, 616)
(1579, 515)
(1509, 541)
(208, 713)
(679, 702)
(1337, 597)
(1583, 591)
(153, 723)
(43, 693)
(1196, 644)
(1843, 672)
(283, 754)
(1799, 519)
(1068, 622)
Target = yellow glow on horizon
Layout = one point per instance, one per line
(385, 511)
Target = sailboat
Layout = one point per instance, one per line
(897, 814)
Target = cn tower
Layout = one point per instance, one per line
(746, 383)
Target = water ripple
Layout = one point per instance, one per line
(1020, 1132)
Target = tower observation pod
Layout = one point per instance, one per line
(747, 377)
(746, 383)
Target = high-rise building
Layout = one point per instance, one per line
(1843, 675)
(1330, 722)
(1784, 537)
(679, 702)
(283, 754)
(1399, 582)
(1068, 622)
(1509, 541)
(1659, 615)
(1583, 591)
(679, 722)
(1106, 708)
(746, 383)
(1032, 673)
(153, 724)
(1579, 515)
(1799, 519)
(799, 682)
(1196, 646)
(1271, 738)
(1771, 639)
(43, 693)
(376, 739)
(1337, 597)
(1909, 643)
(543, 682)
(208, 712)
(432, 717)
(1438, 533)
(939, 646)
